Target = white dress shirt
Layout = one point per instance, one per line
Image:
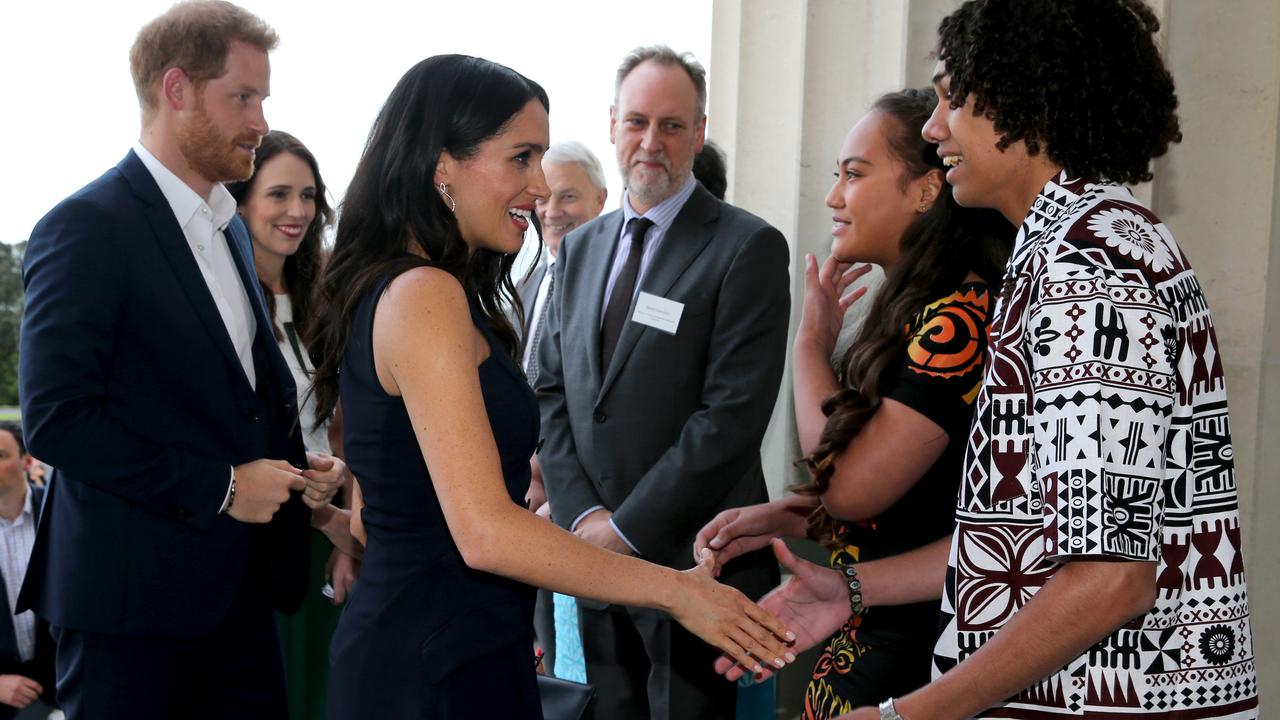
(662, 216)
(16, 539)
(203, 224)
(539, 303)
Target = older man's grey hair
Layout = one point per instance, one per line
(664, 55)
(572, 151)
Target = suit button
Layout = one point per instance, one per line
(251, 414)
(599, 416)
(185, 515)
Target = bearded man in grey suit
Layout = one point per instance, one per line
(659, 367)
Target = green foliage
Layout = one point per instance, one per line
(10, 319)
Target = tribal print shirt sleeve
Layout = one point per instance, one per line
(1102, 430)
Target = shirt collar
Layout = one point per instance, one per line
(184, 201)
(664, 213)
(23, 517)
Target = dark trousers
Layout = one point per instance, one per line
(645, 666)
(234, 672)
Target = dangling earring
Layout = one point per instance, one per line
(444, 194)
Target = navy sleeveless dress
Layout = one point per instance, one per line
(423, 635)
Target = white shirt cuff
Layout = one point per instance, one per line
(614, 525)
(226, 499)
(573, 527)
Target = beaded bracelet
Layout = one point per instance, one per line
(855, 587)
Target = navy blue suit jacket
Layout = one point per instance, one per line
(132, 389)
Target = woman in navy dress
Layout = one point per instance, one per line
(440, 424)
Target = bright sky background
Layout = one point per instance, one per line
(70, 111)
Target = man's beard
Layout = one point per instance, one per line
(656, 185)
(211, 155)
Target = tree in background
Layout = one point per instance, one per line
(10, 319)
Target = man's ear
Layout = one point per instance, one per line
(701, 129)
(176, 89)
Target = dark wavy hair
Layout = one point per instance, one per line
(936, 252)
(301, 269)
(1081, 81)
(446, 102)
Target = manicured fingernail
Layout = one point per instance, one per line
(759, 677)
(779, 663)
(791, 657)
(791, 637)
(758, 669)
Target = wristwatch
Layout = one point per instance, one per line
(888, 711)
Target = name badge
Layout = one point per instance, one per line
(658, 312)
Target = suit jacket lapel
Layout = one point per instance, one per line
(529, 297)
(689, 234)
(242, 255)
(173, 245)
(595, 275)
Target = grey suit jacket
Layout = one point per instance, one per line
(669, 434)
(527, 290)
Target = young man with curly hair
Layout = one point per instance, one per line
(1095, 568)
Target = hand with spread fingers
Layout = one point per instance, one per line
(826, 299)
(727, 619)
(813, 602)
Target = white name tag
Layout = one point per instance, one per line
(658, 313)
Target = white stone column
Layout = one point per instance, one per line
(1219, 191)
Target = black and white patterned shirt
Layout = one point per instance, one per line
(1102, 432)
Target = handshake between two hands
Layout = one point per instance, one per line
(812, 604)
(262, 486)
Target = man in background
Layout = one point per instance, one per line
(660, 365)
(26, 648)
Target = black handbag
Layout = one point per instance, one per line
(566, 699)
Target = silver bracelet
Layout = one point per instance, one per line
(888, 711)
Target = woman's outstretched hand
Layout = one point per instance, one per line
(737, 531)
(825, 300)
(725, 618)
(814, 601)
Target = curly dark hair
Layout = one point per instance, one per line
(1081, 81)
(936, 252)
(301, 269)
